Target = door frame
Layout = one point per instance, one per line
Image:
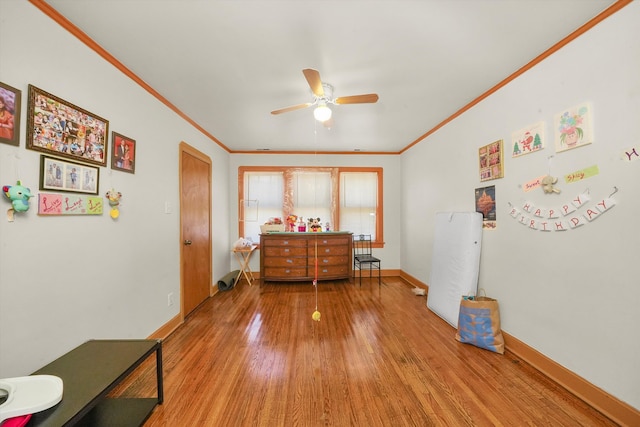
(188, 149)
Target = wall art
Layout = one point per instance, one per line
(582, 174)
(59, 128)
(69, 204)
(123, 153)
(573, 128)
(62, 175)
(9, 114)
(527, 140)
(486, 205)
(491, 161)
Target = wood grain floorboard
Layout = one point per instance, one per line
(252, 356)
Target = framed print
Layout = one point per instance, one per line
(123, 154)
(491, 161)
(9, 114)
(59, 128)
(62, 175)
(573, 128)
(486, 205)
(528, 140)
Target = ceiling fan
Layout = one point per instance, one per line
(323, 95)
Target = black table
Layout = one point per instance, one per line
(89, 372)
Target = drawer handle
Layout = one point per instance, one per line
(287, 271)
(325, 271)
(290, 261)
(325, 261)
(327, 250)
(286, 250)
(285, 242)
(325, 242)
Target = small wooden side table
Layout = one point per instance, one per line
(244, 256)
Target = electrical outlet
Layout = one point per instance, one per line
(170, 299)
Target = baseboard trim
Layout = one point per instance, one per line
(412, 280)
(166, 329)
(383, 273)
(610, 406)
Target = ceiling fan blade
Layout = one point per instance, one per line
(313, 78)
(292, 108)
(369, 98)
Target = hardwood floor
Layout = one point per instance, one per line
(252, 356)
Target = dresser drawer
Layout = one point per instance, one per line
(285, 262)
(330, 260)
(284, 251)
(329, 250)
(324, 241)
(285, 273)
(336, 270)
(284, 242)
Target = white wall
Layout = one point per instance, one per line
(64, 280)
(571, 295)
(390, 254)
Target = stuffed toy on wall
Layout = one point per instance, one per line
(19, 197)
(114, 200)
(548, 184)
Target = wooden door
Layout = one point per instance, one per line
(195, 224)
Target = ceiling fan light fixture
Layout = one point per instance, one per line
(322, 113)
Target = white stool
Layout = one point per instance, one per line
(28, 395)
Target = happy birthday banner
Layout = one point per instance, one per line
(577, 212)
(631, 154)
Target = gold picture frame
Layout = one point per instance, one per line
(59, 128)
(491, 161)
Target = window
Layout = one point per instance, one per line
(348, 198)
(262, 200)
(359, 202)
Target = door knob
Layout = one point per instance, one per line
(187, 242)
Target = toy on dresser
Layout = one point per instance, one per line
(314, 224)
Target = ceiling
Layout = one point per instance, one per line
(226, 64)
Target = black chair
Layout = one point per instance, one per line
(363, 256)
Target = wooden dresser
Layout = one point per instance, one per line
(292, 256)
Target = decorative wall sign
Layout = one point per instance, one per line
(60, 128)
(533, 184)
(573, 128)
(486, 205)
(527, 140)
(491, 161)
(575, 213)
(582, 174)
(69, 204)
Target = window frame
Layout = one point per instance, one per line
(336, 171)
